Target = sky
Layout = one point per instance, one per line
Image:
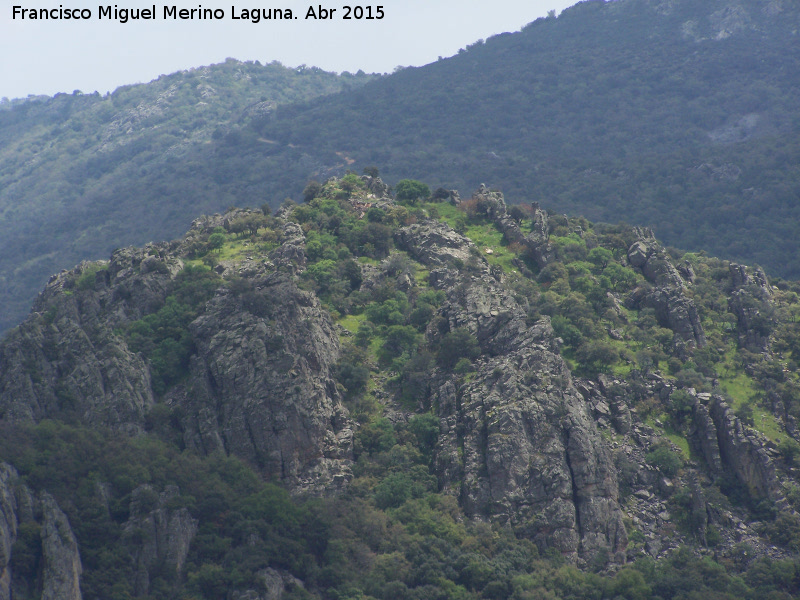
(94, 54)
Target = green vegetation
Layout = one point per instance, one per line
(389, 537)
(163, 337)
(391, 533)
(131, 166)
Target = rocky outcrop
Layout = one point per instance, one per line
(517, 443)
(536, 242)
(704, 435)
(9, 522)
(261, 387)
(62, 562)
(376, 186)
(667, 297)
(61, 568)
(434, 243)
(743, 452)
(157, 535)
(259, 384)
(751, 302)
(68, 360)
(291, 254)
(275, 585)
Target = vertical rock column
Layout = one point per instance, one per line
(62, 562)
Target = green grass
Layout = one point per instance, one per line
(352, 322)
(483, 235)
(487, 236)
(740, 390)
(668, 432)
(232, 250)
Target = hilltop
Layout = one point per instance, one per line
(677, 114)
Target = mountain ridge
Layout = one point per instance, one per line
(679, 114)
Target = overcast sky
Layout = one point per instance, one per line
(46, 57)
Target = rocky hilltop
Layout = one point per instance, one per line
(579, 390)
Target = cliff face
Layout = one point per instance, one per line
(261, 388)
(8, 526)
(62, 562)
(157, 536)
(59, 570)
(517, 443)
(258, 385)
(667, 297)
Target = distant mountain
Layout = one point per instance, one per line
(81, 174)
(679, 114)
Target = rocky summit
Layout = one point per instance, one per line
(421, 396)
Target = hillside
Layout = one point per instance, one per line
(414, 397)
(680, 114)
(81, 174)
(675, 113)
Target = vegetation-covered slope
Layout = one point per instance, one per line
(450, 399)
(681, 114)
(81, 174)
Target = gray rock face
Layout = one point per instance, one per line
(261, 388)
(157, 535)
(291, 255)
(259, 385)
(673, 308)
(517, 443)
(536, 242)
(9, 522)
(276, 585)
(704, 433)
(59, 578)
(434, 243)
(62, 562)
(751, 302)
(66, 360)
(743, 453)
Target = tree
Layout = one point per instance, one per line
(312, 190)
(410, 190)
(216, 241)
(600, 257)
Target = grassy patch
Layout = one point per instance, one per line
(352, 322)
(487, 237)
(668, 432)
(233, 250)
(741, 389)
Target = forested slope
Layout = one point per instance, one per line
(81, 174)
(673, 113)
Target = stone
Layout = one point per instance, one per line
(62, 562)
(157, 534)
(520, 450)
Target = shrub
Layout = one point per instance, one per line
(456, 345)
(665, 460)
(87, 279)
(410, 191)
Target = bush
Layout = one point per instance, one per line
(87, 279)
(665, 460)
(456, 345)
(410, 191)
